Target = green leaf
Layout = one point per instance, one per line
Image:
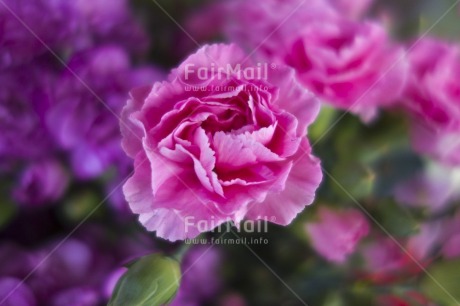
(395, 167)
(7, 212)
(442, 283)
(397, 220)
(334, 299)
(153, 280)
(79, 205)
(322, 125)
(440, 18)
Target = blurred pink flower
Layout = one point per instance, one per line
(433, 97)
(451, 248)
(351, 65)
(272, 22)
(407, 298)
(336, 234)
(386, 261)
(383, 257)
(352, 8)
(219, 147)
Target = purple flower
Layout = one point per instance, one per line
(41, 183)
(200, 280)
(433, 98)
(13, 292)
(84, 115)
(336, 234)
(112, 280)
(68, 26)
(105, 22)
(20, 263)
(24, 99)
(72, 272)
(17, 44)
(233, 149)
(79, 296)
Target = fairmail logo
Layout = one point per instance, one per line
(226, 72)
(247, 226)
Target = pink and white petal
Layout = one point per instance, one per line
(166, 214)
(137, 189)
(201, 173)
(186, 193)
(285, 141)
(294, 97)
(207, 159)
(131, 128)
(168, 224)
(238, 151)
(202, 165)
(263, 135)
(241, 195)
(162, 99)
(299, 192)
(161, 169)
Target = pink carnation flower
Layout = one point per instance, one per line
(351, 65)
(270, 21)
(387, 261)
(352, 8)
(433, 97)
(212, 146)
(337, 233)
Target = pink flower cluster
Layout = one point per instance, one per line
(234, 148)
(433, 98)
(352, 65)
(355, 66)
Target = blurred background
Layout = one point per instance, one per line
(384, 229)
